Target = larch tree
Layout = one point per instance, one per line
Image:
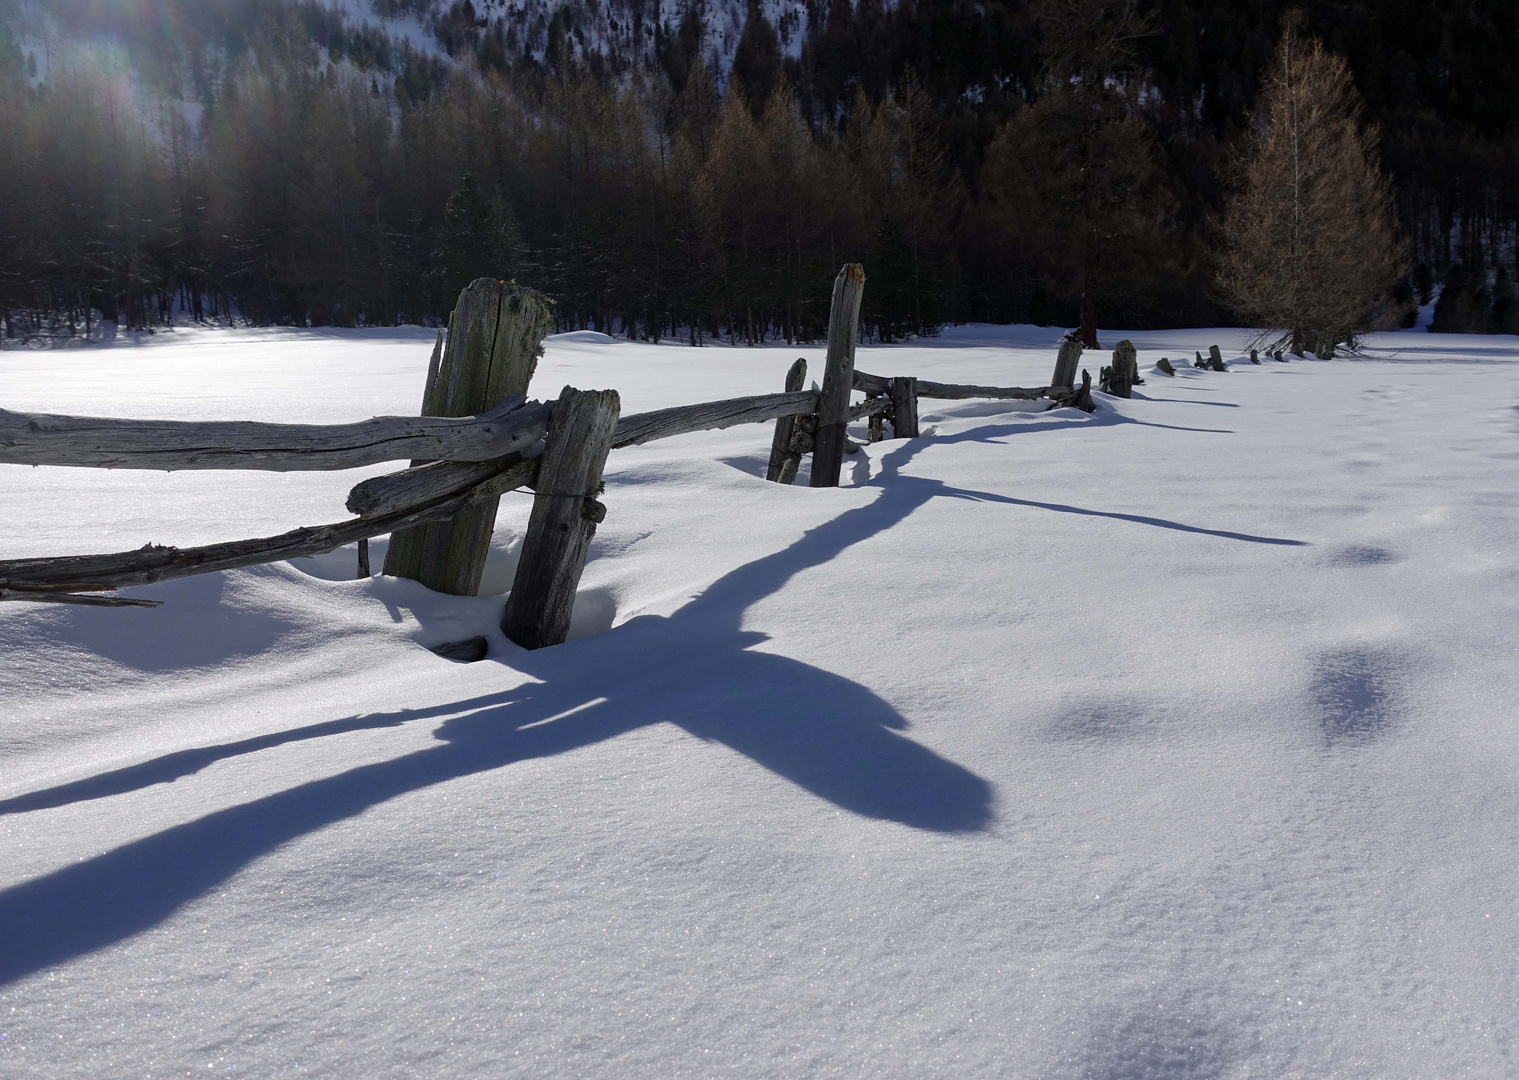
(1309, 244)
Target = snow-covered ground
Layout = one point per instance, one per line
(1178, 740)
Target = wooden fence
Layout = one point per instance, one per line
(478, 438)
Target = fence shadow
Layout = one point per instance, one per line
(697, 669)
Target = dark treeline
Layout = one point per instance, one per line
(985, 161)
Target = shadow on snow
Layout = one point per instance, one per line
(696, 668)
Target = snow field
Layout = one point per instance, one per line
(1173, 741)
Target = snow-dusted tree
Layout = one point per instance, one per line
(1308, 234)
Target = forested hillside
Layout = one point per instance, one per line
(702, 169)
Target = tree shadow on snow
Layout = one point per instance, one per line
(696, 669)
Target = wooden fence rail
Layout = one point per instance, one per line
(440, 511)
(105, 443)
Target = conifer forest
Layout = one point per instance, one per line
(681, 170)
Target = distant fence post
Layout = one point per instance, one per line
(1066, 360)
(904, 407)
(838, 376)
(564, 518)
(780, 446)
(1125, 369)
(877, 423)
(495, 336)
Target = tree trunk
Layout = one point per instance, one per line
(1088, 322)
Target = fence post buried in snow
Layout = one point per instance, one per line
(877, 423)
(780, 446)
(838, 377)
(1066, 361)
(904, 407)
(495, 336)
(1125, 369)
(564, 518)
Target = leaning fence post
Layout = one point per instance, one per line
(1066, 360)
(564, 518)
(495, 336)
(904, 407)
(838, 377)
(780, 446)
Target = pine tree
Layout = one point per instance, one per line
(474, 242)
(1075, 177)
(1309, 242)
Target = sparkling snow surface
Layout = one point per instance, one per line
(1180, 740)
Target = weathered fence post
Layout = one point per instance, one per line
(904, 407)
(838, 377)
(876, 425)
(564, 518)
(495, 336)
(364, 557)
(1125, 369)
(1216, 358)
(780, 446)
(1066, 360)
(1255, 356)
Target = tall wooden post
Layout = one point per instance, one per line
(565, 516)
(1067, 360)
(495, 336)
(904, 407)
(838, 376)
(780, 446)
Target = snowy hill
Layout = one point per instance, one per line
(1173, 741)
(185, 47)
